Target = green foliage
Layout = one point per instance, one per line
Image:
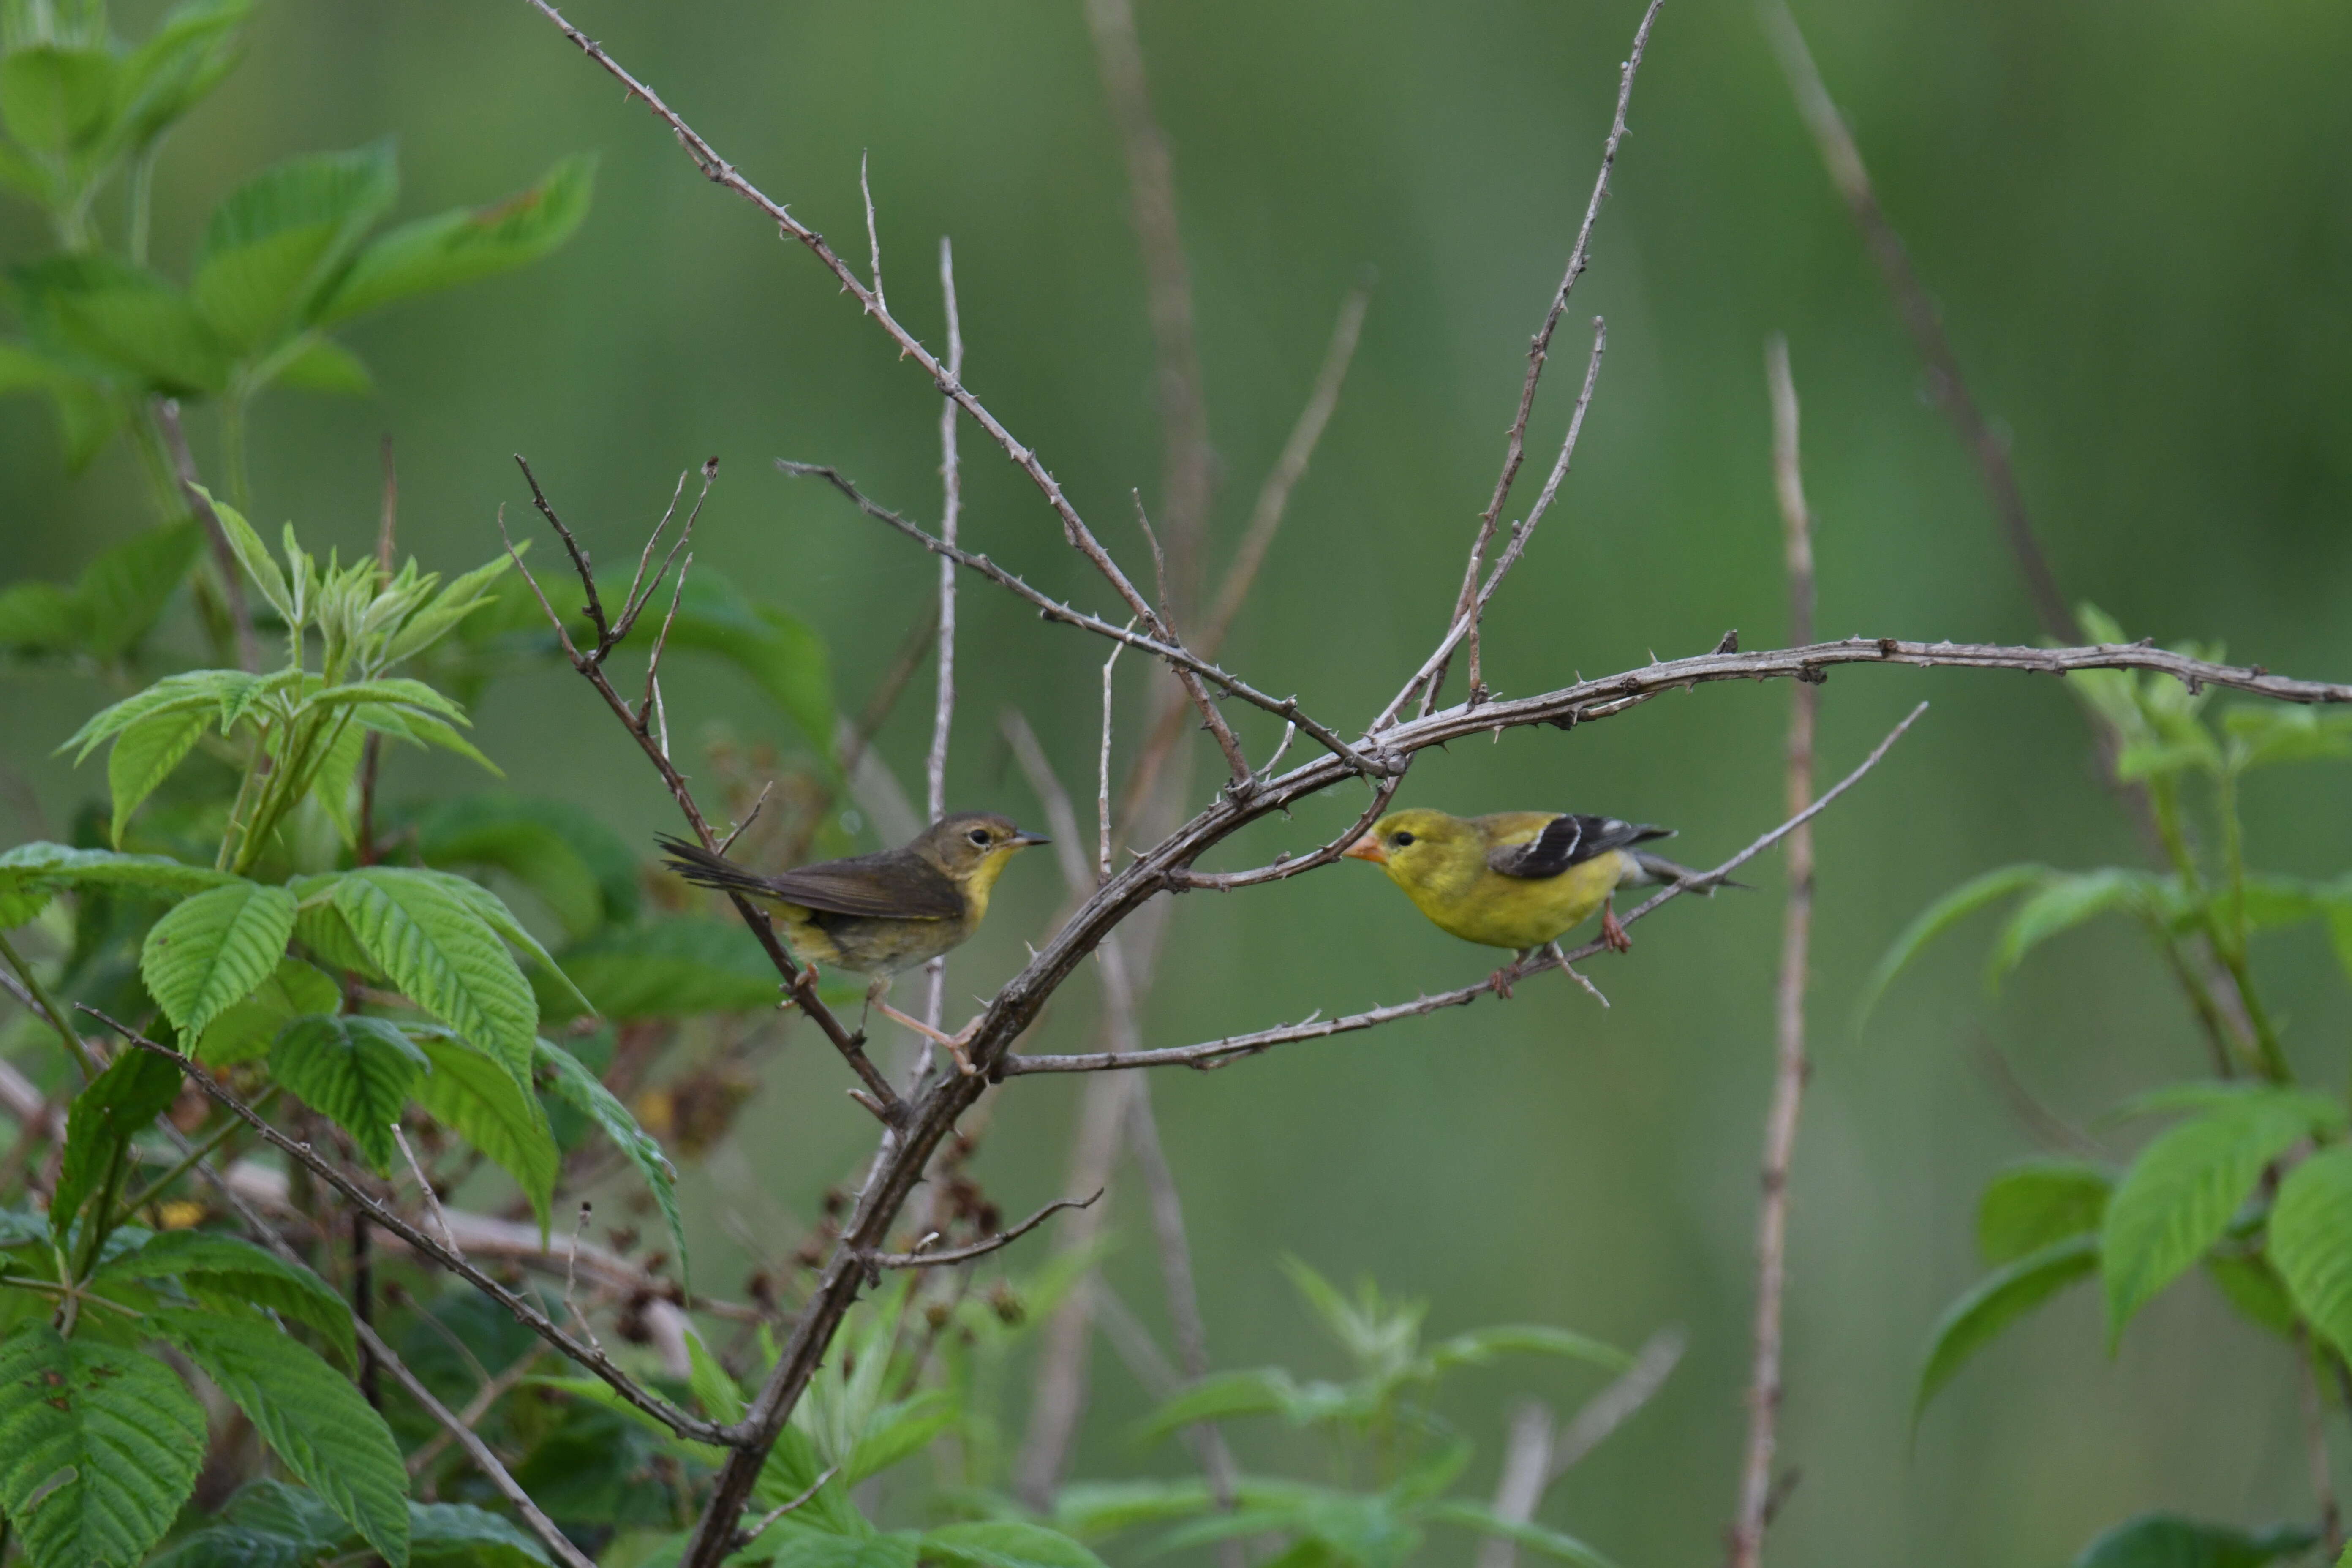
(665, 967)
(2031, 1205)
(112, 608)
(436, 947)
(99, 1445)
(579, 1087)
(358, 1072)
(476, 1097)
(2168, 1541)
(221, 1270)
(2311, 1243)
(211, 953)
(2011, 1290)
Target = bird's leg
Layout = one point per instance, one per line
(1575, 973)
(1503, 979)
(954, 1042)
(1612, 933)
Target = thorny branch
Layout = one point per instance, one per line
(919, 1258)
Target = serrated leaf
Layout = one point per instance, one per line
(579, 1087)
(125, 589)
(124, 321)
(440, 1531)
(1486, 1521)
(273, 244)
(210, 953)
(459, 247)
(226, 1267)
(2311, 1241)
(2034, 1204)
(2064, 900)
(144, 757)
(99, 1446)
(311, 1417)
(2182, 1191)
(395, 692)
(475, 590)
(898, 1432)
(2168, 1541)
(1940, 917)
(669, 968)
(1994, 1302)
(358, 1072)
(422, 729)
(247, 1030)
(435, 946)
(474, 1096)
(494, 913)
(267, 1524)
(334, 785)
(191, 49)
(583, 870)
(194, 690)
(253, 555)
(1006, 1543)
(119, 1103)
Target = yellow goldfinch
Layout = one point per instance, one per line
(878, 913)
(1519, 880)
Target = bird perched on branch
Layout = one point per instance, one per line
(1520, 879)
(879, 913)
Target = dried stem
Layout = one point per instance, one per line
(983, 1247)
(1515, 445)
(1789, 1067)
(1945, 384)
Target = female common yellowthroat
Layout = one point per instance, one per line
(878, 913)
(1519, 880)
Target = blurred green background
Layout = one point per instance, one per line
(2138, 223)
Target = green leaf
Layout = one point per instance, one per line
(476, 590)
(462, 246)
(191, 49)
(273, 244)
(1485, 1521)
(391, 691)
(1263, 1391)
(126, 322)
(783, 656)
(423, 730)
(247, 1030)
(583, 870)
(2252, 1286)
(57, 100)
(144, 757)
(435, 946)
(898, 1432)
(99, 1446)
(493, 912)
(2311, 1241)
(579, 1087)
(120, 1103)
(2031, 1205)
(807, 1549)
(713, 1387)
(473, 1535)
(1006, 1543)
(254, 557)
(2064, 900)
(125, 589)
(210, 953)
(669, 968)
(224, 691)
(223, 1269)
(475, 1096)
(1994, 1302)
(358, 1072)
(322, 364)
(313, 1419)
(2261, 736)
(1482, 1345)
(1106, 1507)
(41, 617)
(30, 872)
(2168, 1541)
(2181, 1193)
(267, 1524)
(1939, 918)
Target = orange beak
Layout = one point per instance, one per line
(1368, 847)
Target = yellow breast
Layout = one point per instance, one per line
(1515, 911)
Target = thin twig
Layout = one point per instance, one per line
(166, 413)
(1538, 349)
(816, 1486)
(425, 1185)
(982, 1248)
(1764, 1386)
(490, 1393)
(1102, 775)
(1945, 384)
(529, 1316)
(1216, 1053)
(935, 763)
(1613, 1405)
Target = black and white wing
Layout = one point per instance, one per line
(1568, 840)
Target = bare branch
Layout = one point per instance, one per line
(935, 763)
(981, 1248)
(1789, 1067)
(1945, 384)
(1102, 775)
(1053, 609)
(490, 1393)
(827, 1474)
(1538, 349)
(166, 413)
(1610, 1409)
(1217, 1053)
(523, 1312)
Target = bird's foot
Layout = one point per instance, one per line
(1613, 932)
(1504, 978)
(956, 1044)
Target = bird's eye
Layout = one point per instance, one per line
(978, 835)
(1399, 839)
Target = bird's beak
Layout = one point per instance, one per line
(1368, 847)
(1023, 838)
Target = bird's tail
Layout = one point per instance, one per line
(1658, 869)
(705, 868)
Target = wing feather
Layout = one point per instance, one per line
(1566, 840)
(892, 885)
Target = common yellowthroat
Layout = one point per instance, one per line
(1520, 879)
(878, 913)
